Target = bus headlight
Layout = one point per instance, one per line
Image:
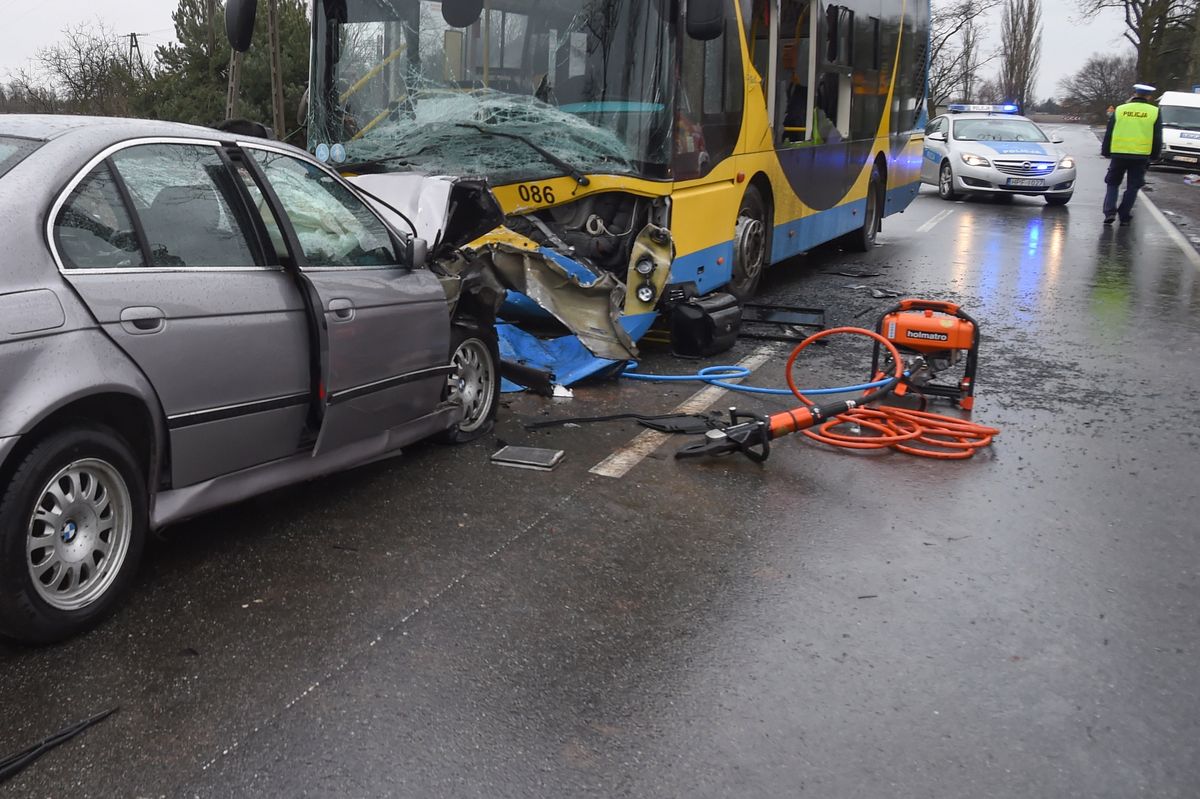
(970, 159)
(644, 267)
(645, 293)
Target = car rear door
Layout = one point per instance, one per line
(383, 327)
(160, 241)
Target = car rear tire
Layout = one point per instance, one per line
(475, 381)
(73, 522)
(751, 240)
(946, 182)
(1062, 199)
(863, 239)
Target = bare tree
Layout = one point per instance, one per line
(1103, 80)
(955, 56)
(26, 93)
(1164, 33)
(90, 70)
(1021, 49)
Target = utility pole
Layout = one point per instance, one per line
(276, 68)
(235, 76)
(135, 49)
(212, 30)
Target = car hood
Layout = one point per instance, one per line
(1012, 149)
(447, 212)
(1190, 138)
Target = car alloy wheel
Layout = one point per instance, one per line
(946, 183)
(79, 534)
(473, 383)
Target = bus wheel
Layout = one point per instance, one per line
(749, 245)
(863, 239)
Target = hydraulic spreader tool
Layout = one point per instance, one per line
(934, 336)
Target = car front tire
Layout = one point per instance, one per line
(73, 522)
(946, 182)
(475, 381)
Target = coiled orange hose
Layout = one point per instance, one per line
(927, 435)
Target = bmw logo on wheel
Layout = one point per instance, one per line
(69, 531)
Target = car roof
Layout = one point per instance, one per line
(1188, 99)
(985, 115)
(100, 132)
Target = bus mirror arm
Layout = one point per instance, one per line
(705, 19)
(239, 23)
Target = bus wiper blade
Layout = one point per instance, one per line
(573, 171)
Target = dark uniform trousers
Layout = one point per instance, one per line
(1119, 168)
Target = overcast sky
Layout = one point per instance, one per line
(1068, 39)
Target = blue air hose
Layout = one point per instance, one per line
(721, 375)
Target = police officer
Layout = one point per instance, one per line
(1132, 140)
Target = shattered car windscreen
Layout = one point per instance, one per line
(13, 151)
(587, 80)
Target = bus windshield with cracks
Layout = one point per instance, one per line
(585, 84)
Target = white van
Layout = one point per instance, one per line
(1181, 128)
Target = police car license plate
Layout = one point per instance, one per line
(1026, 182)
(1187, 159)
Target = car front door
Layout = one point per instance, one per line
(935, 150)
(160, 241)
(384, 328)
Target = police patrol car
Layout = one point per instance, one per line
(989, 149)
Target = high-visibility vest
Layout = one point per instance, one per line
(1133, 129)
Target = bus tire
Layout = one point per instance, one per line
(751, 239)
(863, 239)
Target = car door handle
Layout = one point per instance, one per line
(342, 309)
(142, 320)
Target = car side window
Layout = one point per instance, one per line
(333, 226)
(94, 230)
(187, 202)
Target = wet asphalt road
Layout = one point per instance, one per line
(829, 625)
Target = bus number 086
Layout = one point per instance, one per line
(535, 194)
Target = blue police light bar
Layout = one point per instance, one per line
(1006, 108)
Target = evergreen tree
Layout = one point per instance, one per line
(192, 74)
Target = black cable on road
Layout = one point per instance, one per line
(14, 764)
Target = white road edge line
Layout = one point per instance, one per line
(928, 226)
(1172, 232)
(623, 460)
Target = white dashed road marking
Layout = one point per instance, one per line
(928, 226)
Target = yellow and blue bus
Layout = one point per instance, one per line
(752, 130)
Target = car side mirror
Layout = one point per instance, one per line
(239, 23)
(705, 19)
(418, 252)
(461, 13)
(1056, 139)
(939, 136)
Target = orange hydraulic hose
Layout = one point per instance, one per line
(927, 435)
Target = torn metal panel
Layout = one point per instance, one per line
(508, 273)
